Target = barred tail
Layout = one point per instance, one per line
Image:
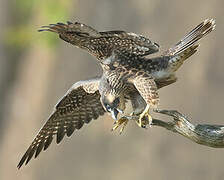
(187, 46)
(192, 37)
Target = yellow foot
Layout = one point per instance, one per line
(145, 118)
(120, 122)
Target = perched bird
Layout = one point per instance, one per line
(127, 75)
(139, 78)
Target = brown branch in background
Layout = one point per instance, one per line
(204, 134)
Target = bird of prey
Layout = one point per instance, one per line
(128, 75)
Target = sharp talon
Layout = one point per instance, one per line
(144, 118)
(120, 122)
(114, 128)
(122, 128)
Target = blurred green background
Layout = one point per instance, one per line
(36, 69)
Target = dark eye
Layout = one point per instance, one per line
(108, 108)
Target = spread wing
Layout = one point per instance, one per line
(132, 43)
(80, 105)
(102, 44)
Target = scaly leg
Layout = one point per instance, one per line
(145, 114)
(142, 120)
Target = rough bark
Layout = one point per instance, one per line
(204, 134)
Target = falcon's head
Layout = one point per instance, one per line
(111, 104)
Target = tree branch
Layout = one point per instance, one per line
(204, 134)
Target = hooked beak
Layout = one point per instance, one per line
(114, 112)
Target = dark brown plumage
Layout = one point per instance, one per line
(102, 44)
(80, 105)
(145, 76)
(127, 75)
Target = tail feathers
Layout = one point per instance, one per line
(188, 52)
(187, 44)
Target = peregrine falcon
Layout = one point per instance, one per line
(127, 76)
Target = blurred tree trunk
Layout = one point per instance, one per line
(26, 102)
(7, 64)
(30, 69)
